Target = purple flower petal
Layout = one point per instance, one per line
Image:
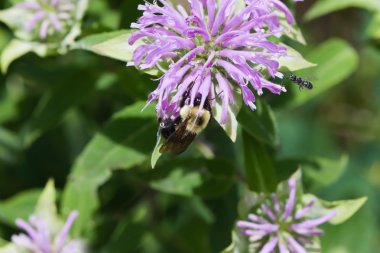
(268, 212)
(270, 245)
(27, 228)
(315, 222)
(48, 17)
(264, 227)
(295, 245)
(39, 238)
(276, 203)
(292, 198)
(44, 29)
(282, 247)
(301, 213)
(226, 95)
(55, 22)
(62, 236)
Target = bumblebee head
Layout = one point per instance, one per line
(167, 127)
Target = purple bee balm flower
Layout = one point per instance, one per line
(48, 17)
(283, 227)
(40, 238)
(212, 49)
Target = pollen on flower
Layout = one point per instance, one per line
(47, 17)
(213, 50)
(283, 226)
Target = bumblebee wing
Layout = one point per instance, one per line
(179, 140)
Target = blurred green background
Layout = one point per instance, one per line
(57, 115)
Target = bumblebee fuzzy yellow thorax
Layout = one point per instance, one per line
(195, 123)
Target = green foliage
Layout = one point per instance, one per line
(124, 143)
(336, 60)
(177, 182)
(261, 124)
(294, 61)
(112, 44)
(323, 7)
(75, 115)
(258, 165)
(19, 206)
(17, 48)
(323, 172)
(229, 127)
(345, 208)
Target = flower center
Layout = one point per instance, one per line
(283, 225)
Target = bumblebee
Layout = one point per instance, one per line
(180, 132)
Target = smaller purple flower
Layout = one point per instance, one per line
(40, 237)
(48, 17)
(283, 226)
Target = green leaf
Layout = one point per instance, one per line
(178, 182)
(318, 172)
(336, 61)
(10, 146)
(13, 17)
(4, 38)
(54, 104)
(20, 206)
(217, 176)
(9, 103)
(237, 245)
(156, 154)
(294, 60)
(373, 29)
(258, 165)
(125, 142)
(17, 48)
(294, 32)
(81, 9)
(362, 228)
(113, 44)
(344, 209)
(10, 248)
(230, 127)
(108, 17)
(46, 207)
(260, 124)
(323, 7)
(3, 242)
(204, 177)
(324, 172)
(128, 233)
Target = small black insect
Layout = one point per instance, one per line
(301, 82)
